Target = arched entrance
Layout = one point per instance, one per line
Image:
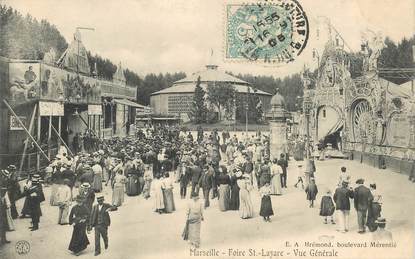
(329, 125)
(362, 121)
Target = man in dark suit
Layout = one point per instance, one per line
(342, 198)
(196, 174)
(100, 220)
(34, 197)
(185, 175)
(206, 181)
(362, 199)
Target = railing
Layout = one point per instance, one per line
(30, 162)
(114, 90)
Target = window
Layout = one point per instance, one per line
(324, 113)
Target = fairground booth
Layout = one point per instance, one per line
(48, 103)
(367, 118)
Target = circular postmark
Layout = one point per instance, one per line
(270, 32)
(22, 247)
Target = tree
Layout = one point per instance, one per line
(222, 96)
(199, 108)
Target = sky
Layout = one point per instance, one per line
(178, 35)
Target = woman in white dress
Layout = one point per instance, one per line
(119, 189)
(246, 209)
(157, 194)
(276, 178)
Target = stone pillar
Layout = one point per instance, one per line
(278, 138)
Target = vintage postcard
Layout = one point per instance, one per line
(207, 129)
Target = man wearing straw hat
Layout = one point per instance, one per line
(34, 197)
(100, 220)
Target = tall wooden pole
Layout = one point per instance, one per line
(49, 135)
(59, 131)
(39, 125)
(32, 120)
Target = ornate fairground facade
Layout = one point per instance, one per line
(367, 118)
(49, 103)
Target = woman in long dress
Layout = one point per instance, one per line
(224, 194)
(246, 209)
(194, 221)
(118, 191)
(375, 208)
(79, 217)
(148, 177)
(266, 205)
(276, 178)
(234, 199)
(167, 186)
(97, 183)
(157, 194)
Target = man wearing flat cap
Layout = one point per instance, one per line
(362, 199)
(100, 220)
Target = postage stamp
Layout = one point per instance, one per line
(273, 31)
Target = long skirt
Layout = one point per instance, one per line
(266, 207)
(224, 197)
(105, 174)
(246, 209)
(79, 240)
(54, 191)
(168, 200)
(276, 185)
(132, 185)
(234, 200)
(118, 194)
(97, 183)
(141, 183)
(194, 232)
(10, 222)
(158, 200)
(146, 189)
(63, 213)
(372, 215)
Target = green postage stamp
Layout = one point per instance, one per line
(273, 32)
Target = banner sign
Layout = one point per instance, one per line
(24, 83)
(51, 109)
(94, 110)
(398, 132)
(14, 123)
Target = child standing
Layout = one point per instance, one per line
(311, 191)
(300, 176)
(266, 205)
(327, 207)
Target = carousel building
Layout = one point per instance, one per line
(368, 118)
(177, 99)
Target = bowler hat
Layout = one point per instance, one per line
(100, 198)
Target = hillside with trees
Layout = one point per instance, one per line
(24, 37)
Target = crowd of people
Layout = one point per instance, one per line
(150, 164)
